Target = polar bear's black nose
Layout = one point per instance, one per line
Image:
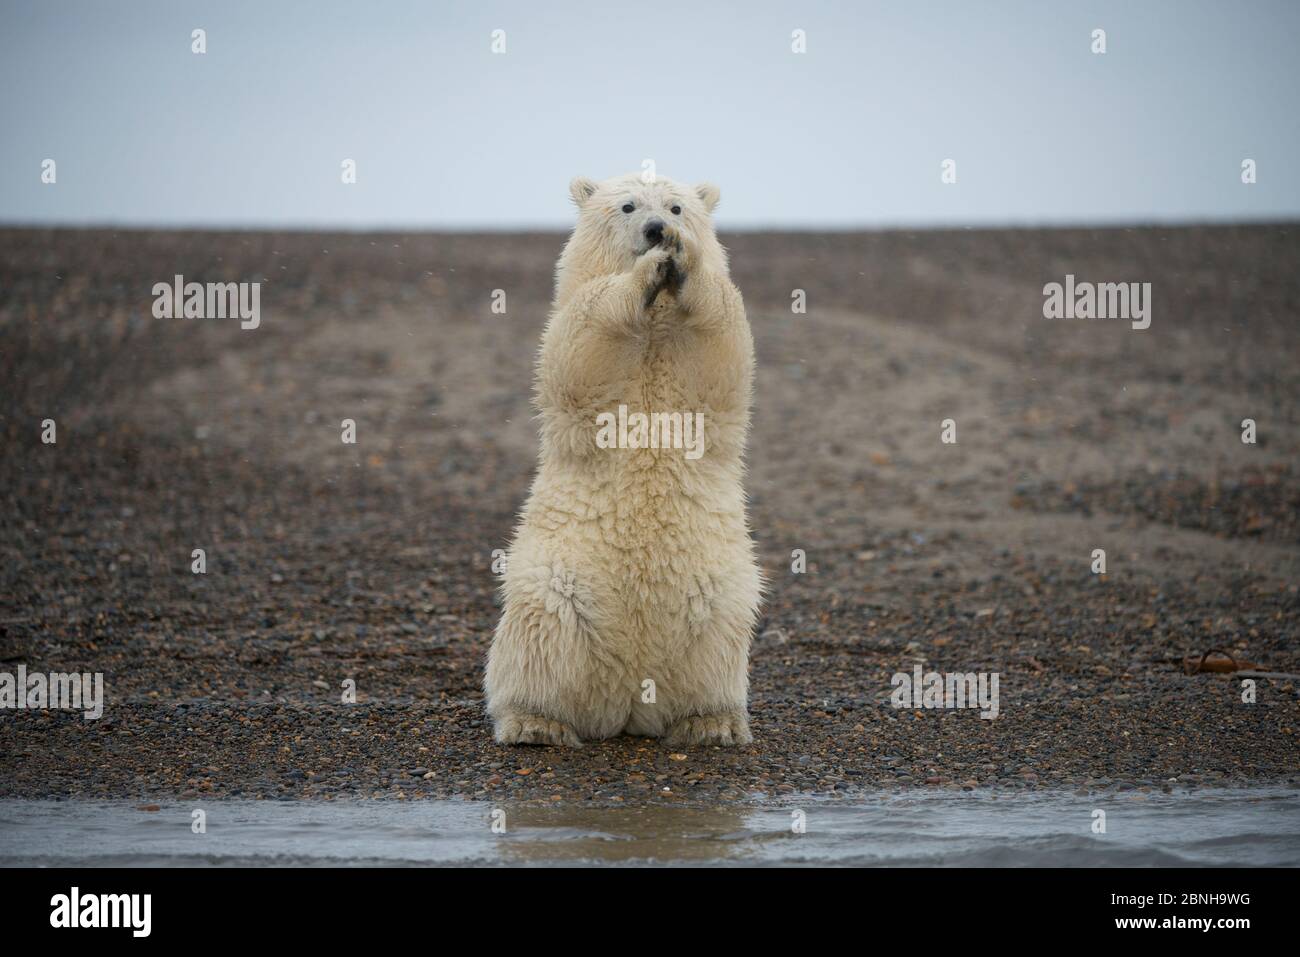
(654, 232)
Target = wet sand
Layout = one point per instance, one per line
(372, 561)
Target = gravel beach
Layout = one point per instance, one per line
(372, 562)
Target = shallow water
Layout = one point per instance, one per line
(1245, 827)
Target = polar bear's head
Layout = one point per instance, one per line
(621, 218)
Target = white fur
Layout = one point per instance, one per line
(633, 564)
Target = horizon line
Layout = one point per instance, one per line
(325, 226)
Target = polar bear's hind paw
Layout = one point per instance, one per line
(727, 728)
(534, 729)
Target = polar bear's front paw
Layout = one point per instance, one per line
(658, 271)
(727, 727)
(683, 256)
(534, 729)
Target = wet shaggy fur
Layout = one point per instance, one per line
(631, 590)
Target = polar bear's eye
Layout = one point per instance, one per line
(677, 210)
(628, 207)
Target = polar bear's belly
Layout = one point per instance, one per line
(658, 545)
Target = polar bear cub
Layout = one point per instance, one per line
(630, 589)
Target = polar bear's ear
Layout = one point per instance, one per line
(710, 194)
(581, 189)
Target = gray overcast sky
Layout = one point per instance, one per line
(446, 133)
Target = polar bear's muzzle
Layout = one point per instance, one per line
(653, 232)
